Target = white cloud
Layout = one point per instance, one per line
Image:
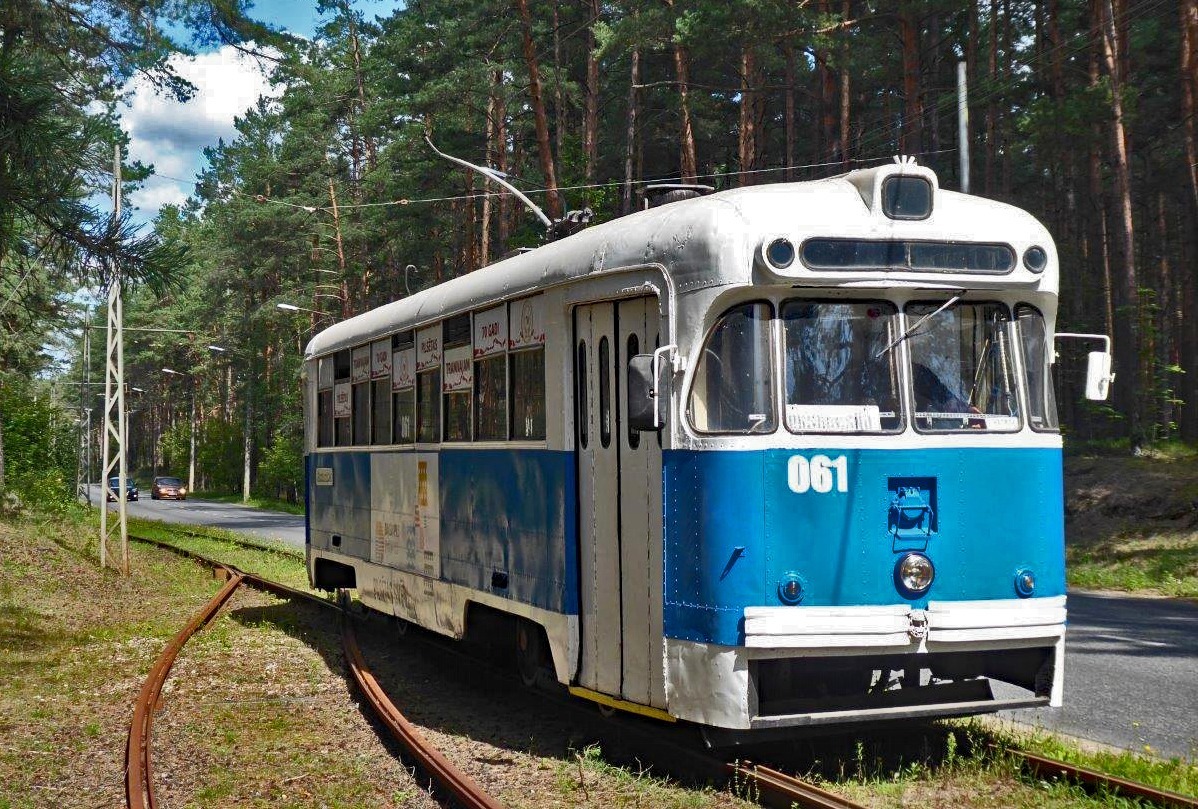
(171, 135)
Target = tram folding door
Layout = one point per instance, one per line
(619, 490)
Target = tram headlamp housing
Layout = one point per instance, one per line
(1025, 582)
(790, 589)
(780, 253)
(914, 573)
(1035, 259)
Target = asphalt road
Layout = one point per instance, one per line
(1131, 664)
(1131, 675)
(287, 528)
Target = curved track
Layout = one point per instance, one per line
(768, 786)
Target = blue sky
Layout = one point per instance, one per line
(172, 136)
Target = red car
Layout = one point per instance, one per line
(165, 488)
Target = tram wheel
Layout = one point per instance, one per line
(530, 651)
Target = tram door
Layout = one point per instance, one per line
(619, 476)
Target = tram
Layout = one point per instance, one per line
(766, 459)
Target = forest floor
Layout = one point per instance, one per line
(249, 713)
(1131, 523)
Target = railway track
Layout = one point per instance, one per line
(766, 785)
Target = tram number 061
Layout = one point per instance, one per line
(820, 474)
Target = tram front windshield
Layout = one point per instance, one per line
(962, 368)
(843, 372)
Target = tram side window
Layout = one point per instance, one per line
(342, 398)
(380, 400)
(733, 387)
(403, 388)
(528, 394)
(490, 390)
(1037, 368)
(839, 376)
(428, 406)
(361, 383)
(324, 418)
(457, 379)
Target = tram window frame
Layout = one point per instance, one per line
(458, 406)
(380, 412)
(324, 418)
(533, 426)
(361, 406)
(770, 424)
(581, 394)
(605, 392)
(428, 396)
(1050, 419)
(910, 361)
(633, 347)
(403, 398)
(894, 370)
(342, 426)
(490, 397)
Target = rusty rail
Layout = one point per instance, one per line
(779, 789)
(465, 790)
(139, 782)
(1044, 767)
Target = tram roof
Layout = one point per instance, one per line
(703, 242)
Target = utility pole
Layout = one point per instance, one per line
(116, 423)
(83, 464)
(963, 124)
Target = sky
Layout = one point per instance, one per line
(172, 136)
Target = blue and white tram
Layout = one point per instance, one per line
(778, 456)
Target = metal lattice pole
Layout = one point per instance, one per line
(116, 423)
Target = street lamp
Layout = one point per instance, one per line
(191, 463)
(291, 307)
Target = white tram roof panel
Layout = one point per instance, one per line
(716, 240)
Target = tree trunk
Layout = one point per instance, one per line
(845, 86)
(1188, 74)
(630, 137)
(911, 133)
(1188, 294)
(1126, 290)
(750, 147)
(544, 149)
(559, 103)
(992, 104)
(788, 99)
(687, 160)
(590, 136)
(499, 157)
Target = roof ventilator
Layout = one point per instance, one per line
(663, 193)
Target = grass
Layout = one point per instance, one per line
(1132, 522)
(961, 763)
(267, 503)
(268, 558)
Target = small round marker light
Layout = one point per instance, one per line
(914, 573)
(780, 253)
(1025, 582)
(1035, 259)
(790, 589)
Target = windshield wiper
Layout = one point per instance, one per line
(914, 327)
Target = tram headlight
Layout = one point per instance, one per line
(780, 253)
(1035, 259)
(790, 589)
(914, 573)
(1025, 582)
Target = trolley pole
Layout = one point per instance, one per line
(116, 423)
(963, 124)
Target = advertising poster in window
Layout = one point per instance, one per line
(490, 332)
(528, 323)
(403, 369)
(428, 348)
(380, 359)
(343, 402)
(324, 373)
(459, 370)
(361, 367)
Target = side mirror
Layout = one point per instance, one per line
(1098, 376)
(646, 407)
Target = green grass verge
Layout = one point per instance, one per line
(269, 559)
(266, 503)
